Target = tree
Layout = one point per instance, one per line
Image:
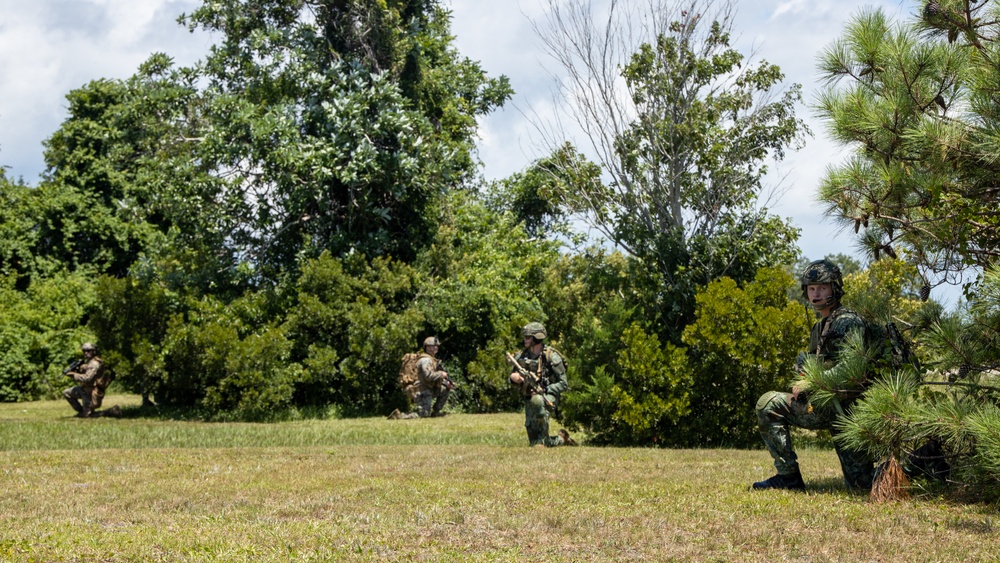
(18, 239)
(681, 126)
(532, 196)
(941, 422)
(917, 102)
(124, 191)
(338, 125)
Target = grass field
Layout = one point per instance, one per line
(460, 488)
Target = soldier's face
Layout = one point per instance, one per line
(820, 295)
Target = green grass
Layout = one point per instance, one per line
(461, 488)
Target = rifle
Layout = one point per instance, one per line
(532, 379)
(73, 367)
(448, 382)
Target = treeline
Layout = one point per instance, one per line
(265, 234)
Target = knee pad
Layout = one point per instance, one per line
(538, 402)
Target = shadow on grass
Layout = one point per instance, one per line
(832, 485)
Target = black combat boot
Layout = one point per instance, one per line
(790, 481)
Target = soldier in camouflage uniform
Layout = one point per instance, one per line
(92, 378)
(823, 286)
(432, 386)
(548, 366)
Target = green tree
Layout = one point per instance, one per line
(338, 125)
(683, 155)
(18, 239)
(952, 406)
(534, 195)
(917, 103)
(124, 191)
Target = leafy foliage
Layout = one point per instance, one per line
(352, 322)
(916, 100)
(337, 125)
(951, 405)
(683, 156)
(641, 391)
(742, 344)
(41, 333)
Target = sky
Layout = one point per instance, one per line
(49, 47)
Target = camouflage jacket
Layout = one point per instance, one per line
(827, 335)
(429, 372)
(91, 374)
(551, 369)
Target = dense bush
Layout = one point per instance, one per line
(41, 333)
(639, 390)
(352, 322)
(743, 343)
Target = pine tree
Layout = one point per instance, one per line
(917, 101)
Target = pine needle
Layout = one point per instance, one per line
(891, 482)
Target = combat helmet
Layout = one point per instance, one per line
(823, 271)
(431, 341)
(89, 346)
(535, 330)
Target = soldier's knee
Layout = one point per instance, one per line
(537, 402)
(68, 393)
(768, 400)
(767, 404)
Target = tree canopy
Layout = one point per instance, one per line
(682, 126)
(917, 103)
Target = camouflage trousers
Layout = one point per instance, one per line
(536, 421)
(431, 401)
(84, 400)
(776, 411)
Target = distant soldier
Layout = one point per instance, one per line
(429, 386)
(93, 378)
(540, 377)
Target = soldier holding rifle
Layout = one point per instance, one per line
(92, 378)
(540, 375)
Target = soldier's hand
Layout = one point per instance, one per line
(516, 379)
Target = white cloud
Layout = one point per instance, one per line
(50, 47)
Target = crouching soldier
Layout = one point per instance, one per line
(823, 286)
(92, 378)
(540, 376)
(425, 382)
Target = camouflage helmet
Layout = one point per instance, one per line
(536, 330)
(823, 271)
(431, 341)
(89, 347)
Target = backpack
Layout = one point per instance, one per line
(107, 376)
(888, 347)
(409, 376)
